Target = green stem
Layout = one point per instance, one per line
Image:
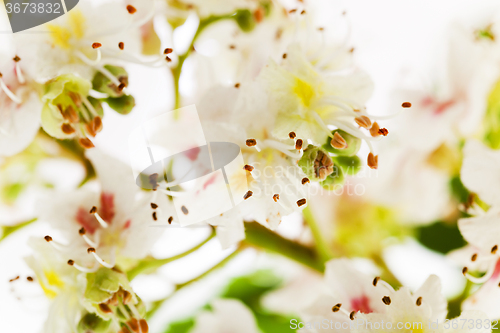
(386, 272)
(156, 305)
(261, 237)
(149, 265)
(9, 230)
(324, 250)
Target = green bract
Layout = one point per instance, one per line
(350, 165)
(353, 144)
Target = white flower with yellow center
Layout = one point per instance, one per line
(85, 39)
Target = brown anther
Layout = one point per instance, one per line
(305, 180)
(131, 9)
(184, 210)
(372, 161)
(67, 129)
(30, 279)
(419, 301)
(248, 168)
(406, 105)
(494, 249)
(89, 127)
(247, 195)
(338, 142)
(276, 197)
(96, 45)
(168, 50)
(474, 257)
(352, 49)
(121, 45)
(375, 281)
(127, 297)
(133, 323)
(82, 231)
(144, 326)
(232, 46)
(154, 206)
(113, 300)
(86, 143)
(323, 165)
(374, 130)
(93, 210)
(14, 279)
(69, 114)
(465, 270)
(167, 58)
(292, 135)
(90, 250)
(16, 58)
(298, 144)
(121, 87)
(284, 55)
(259, 14)
(71, 262)
(301, 202)
(386, 300)
(292, 11)
(155, 217)
(302, 12)
(251, 142)
(363, 121)
(237, 85)
(383, 131)
(48, 238)
(351, 315)
(321, 28)
(170, 219)
(97, 124)
(105, 308)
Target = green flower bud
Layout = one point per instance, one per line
(64, 103)
(353, 144)
(316, 163)
(350, 165)
(335, 179)
(245, 20)
(122, 105)
(103, 84)
(92, 323)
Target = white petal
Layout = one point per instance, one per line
(480, 170)
(431, 293)
(482, 231)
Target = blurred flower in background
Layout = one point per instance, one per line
(369, 134)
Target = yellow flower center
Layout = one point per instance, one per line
(304, 91)
(75, 28)
(51, 282)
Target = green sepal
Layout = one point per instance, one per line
(103, 84)
(353, 144)
(350, 165)
(97, 105)
(93, 323)
(122, 105)
(104, 283)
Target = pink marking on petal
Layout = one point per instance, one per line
(361, 304)
(127, 224)
(107, 208)
(193, 153)
(442, 107)
(496, 272)
(86, 220)
(210, 181)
